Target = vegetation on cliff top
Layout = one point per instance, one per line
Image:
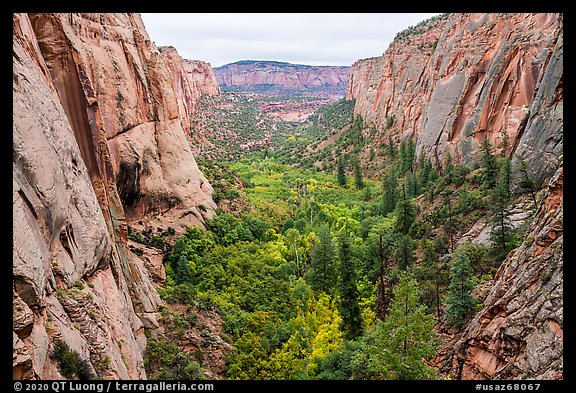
(419, 28)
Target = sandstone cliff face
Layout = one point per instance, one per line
(142, 100)
(192, 79)
(463, 78)
(519, 332)
(201, 75)
(99, 139)
(249, 72)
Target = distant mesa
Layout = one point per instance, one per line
(265, 76)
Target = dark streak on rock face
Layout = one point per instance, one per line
(486, 75)
(128, 183)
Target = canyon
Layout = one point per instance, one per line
(102, 125)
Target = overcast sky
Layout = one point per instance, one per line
(301, 38)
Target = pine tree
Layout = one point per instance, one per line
(434, 271)
(390, 121)
(449, 225)
(391, 147)
(423, 170)
(502, 232)
(489, 165)
(413, 188)
(504, 143)
(506, 176)
(525, 182)
(434, 175)
(398, 348)
(460, 302)
(322, 273)
(348, 290)
(449, 168)
(182, 270)
(403, 157)
(407, 155)
(367, 193)
(358, 180)
(341, 173)
(404, 251)
(383, 298)
(390, 194)
(405, 213)
(410, 155)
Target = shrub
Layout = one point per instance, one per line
(70, 363)
(170, 363)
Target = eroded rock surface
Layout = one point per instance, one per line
(451, 83)
(518, 333)
(99, 139)
(463, 78)
(249, 74)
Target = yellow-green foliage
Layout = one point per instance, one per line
(315, 334)
(264, 271)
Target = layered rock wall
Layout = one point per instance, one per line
(519, 332)
(139, 99)
(249, 72)
(100, 118)
(461, 78)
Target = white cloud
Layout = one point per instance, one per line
(302, 38)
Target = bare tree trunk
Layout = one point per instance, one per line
(297, 259)
(438, 299)
(451, 226)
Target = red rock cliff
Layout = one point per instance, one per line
(519, 332)
(193, 79)
(99, 139)
(461, 78)
(453, 82)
